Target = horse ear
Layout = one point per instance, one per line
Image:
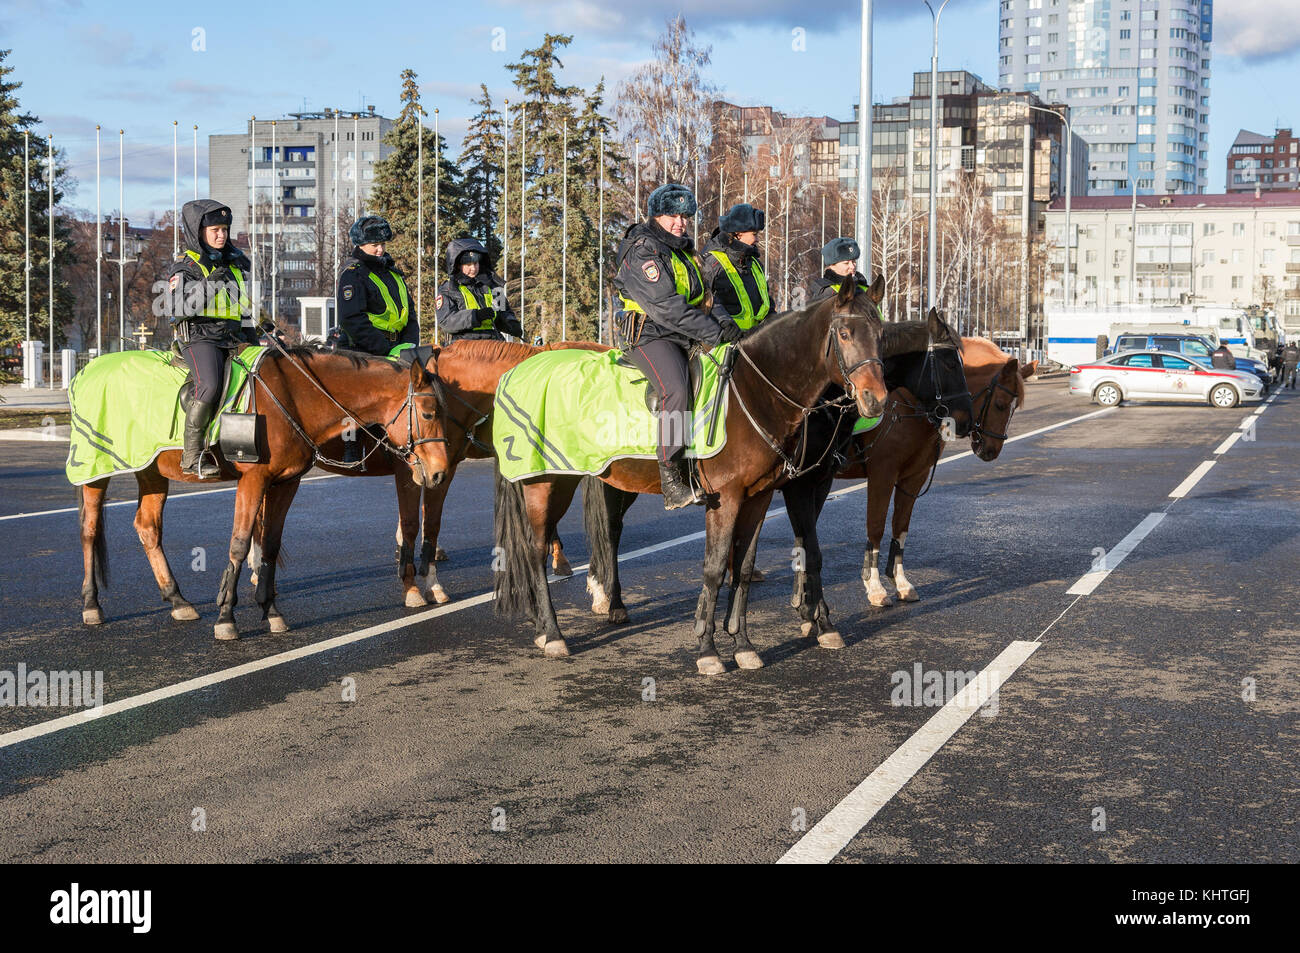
(877, 291)
(418, 375)
(1029, 370)
(844, 298)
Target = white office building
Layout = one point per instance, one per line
(1136, 75)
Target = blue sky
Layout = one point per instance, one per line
(134, 66)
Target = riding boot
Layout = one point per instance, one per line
(676, 486)
(193, 462)
(352, 454)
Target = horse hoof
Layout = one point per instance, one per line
(908, 595)
(880, 599)
(252, 577)
(439, 555)
(562, 567)
(278, 625)
(757, 576)
(748, 660)
(556, 648)
(414, 600)
(439, 595)
(92, 616)
(185, 614)
(830, 640)
(710, 665)
(226, 631)
(805, 629)
(618, 616)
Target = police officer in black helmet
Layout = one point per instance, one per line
(472, 302)
(374, 306)
(209, 305)
(840, 263)
(663, 291)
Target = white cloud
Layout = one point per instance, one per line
(1256, 28)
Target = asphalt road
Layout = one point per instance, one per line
(1127, 733)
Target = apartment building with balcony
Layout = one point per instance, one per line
(1263, 163)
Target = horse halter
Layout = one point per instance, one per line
(940, 409)
(978, 426)
(845, 370)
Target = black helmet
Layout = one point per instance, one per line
(671, 199)
(840, 249)
(370, 229)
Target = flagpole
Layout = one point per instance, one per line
(335, 204)
(176, 236)
(27, 241)
(523, 197)
(99, 255)
(252, 217)
(419, 207)
(49, 140)
(564, 240)
(437, 200)
(600, 238)
(275, 222)
(121, 243)
(505, 192)
(356, 165)
(196, 161)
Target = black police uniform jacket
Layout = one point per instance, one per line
(455, 317)
(645, 275)
(358, 297)
(820, 288)
(185, 302)
(725, 303)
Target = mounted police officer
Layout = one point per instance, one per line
(208, 297)
(663, 290)
(840, 261)
(374, 306)
(732, 270)
(472, 303)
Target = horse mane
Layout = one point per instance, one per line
(983, 356)
(310, 352)
(488, 350)
(902, 337)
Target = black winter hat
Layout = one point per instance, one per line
(742, 218)
(671, 199)
(216, 216)
(840, 249)
(370, 229)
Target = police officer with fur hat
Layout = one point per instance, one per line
(472, 303)
(840, 261)
(374, 306)
(210, 309)
(662, 291)
(732, 269)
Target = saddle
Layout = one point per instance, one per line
(695, 368)
(238, 435)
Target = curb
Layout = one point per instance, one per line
(61, 433)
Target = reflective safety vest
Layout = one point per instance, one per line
(748, 317)
(681, 281)
(220, 306)
(392, 319)
(472, 303)
(861, 287)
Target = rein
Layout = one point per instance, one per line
(381, 440)
(987, 393)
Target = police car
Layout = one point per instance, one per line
(1159, 375)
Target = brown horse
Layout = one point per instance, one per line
(307, 398)
(468, 372)
(782, 370)
(897, 461)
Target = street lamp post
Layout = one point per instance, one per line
(1069, 191)
(934, 135)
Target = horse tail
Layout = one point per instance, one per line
(513, 572)
(597, 520)
(99, 546)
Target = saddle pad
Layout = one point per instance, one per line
(126, 410)
(575, 412)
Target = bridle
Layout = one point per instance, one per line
(994, 385)
(940, 410)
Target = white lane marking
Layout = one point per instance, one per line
(170, 498)
(1260, 411)
(1185, 487)
(1248, 422)
(1227, 444)
(135, 701)
(1111, 560)
(834, 831)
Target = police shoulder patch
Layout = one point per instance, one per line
(651, 271)
(174, 281)
(437, 302)
(347, 292)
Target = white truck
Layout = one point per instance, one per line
(1073, 335)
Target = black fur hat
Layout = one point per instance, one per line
(742, 218)
(840, 249)
(370, 229)
(670, 199)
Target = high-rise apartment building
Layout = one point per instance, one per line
(320, 169)
(1136, 75)
(1264, 163)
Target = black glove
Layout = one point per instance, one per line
(511, 326)
(731, 332)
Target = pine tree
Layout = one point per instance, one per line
(395, 197)
(13, 226)
(480, 164)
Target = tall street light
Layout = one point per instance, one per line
(934, 135)
(1069, 179)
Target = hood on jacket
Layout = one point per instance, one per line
(192, 215)
(737, 251)
(461, 245)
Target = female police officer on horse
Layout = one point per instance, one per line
(472, 303)
(374, 307)
(732, 271)
(662, 289)
(207, 299)
(840, 261)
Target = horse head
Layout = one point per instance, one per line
(947, 375)
(425, 440)
(995, 404)
(854, 340)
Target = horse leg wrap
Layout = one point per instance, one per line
(406, 557)
(426, 558)
(228, 594)
(265, 592)
(895, 554)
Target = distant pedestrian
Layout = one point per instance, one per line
(1290, 358)
(1222, 358)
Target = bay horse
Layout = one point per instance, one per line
(468, 372)
(928, 392)
(781, 372)
(899, 462)
(307, 398)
